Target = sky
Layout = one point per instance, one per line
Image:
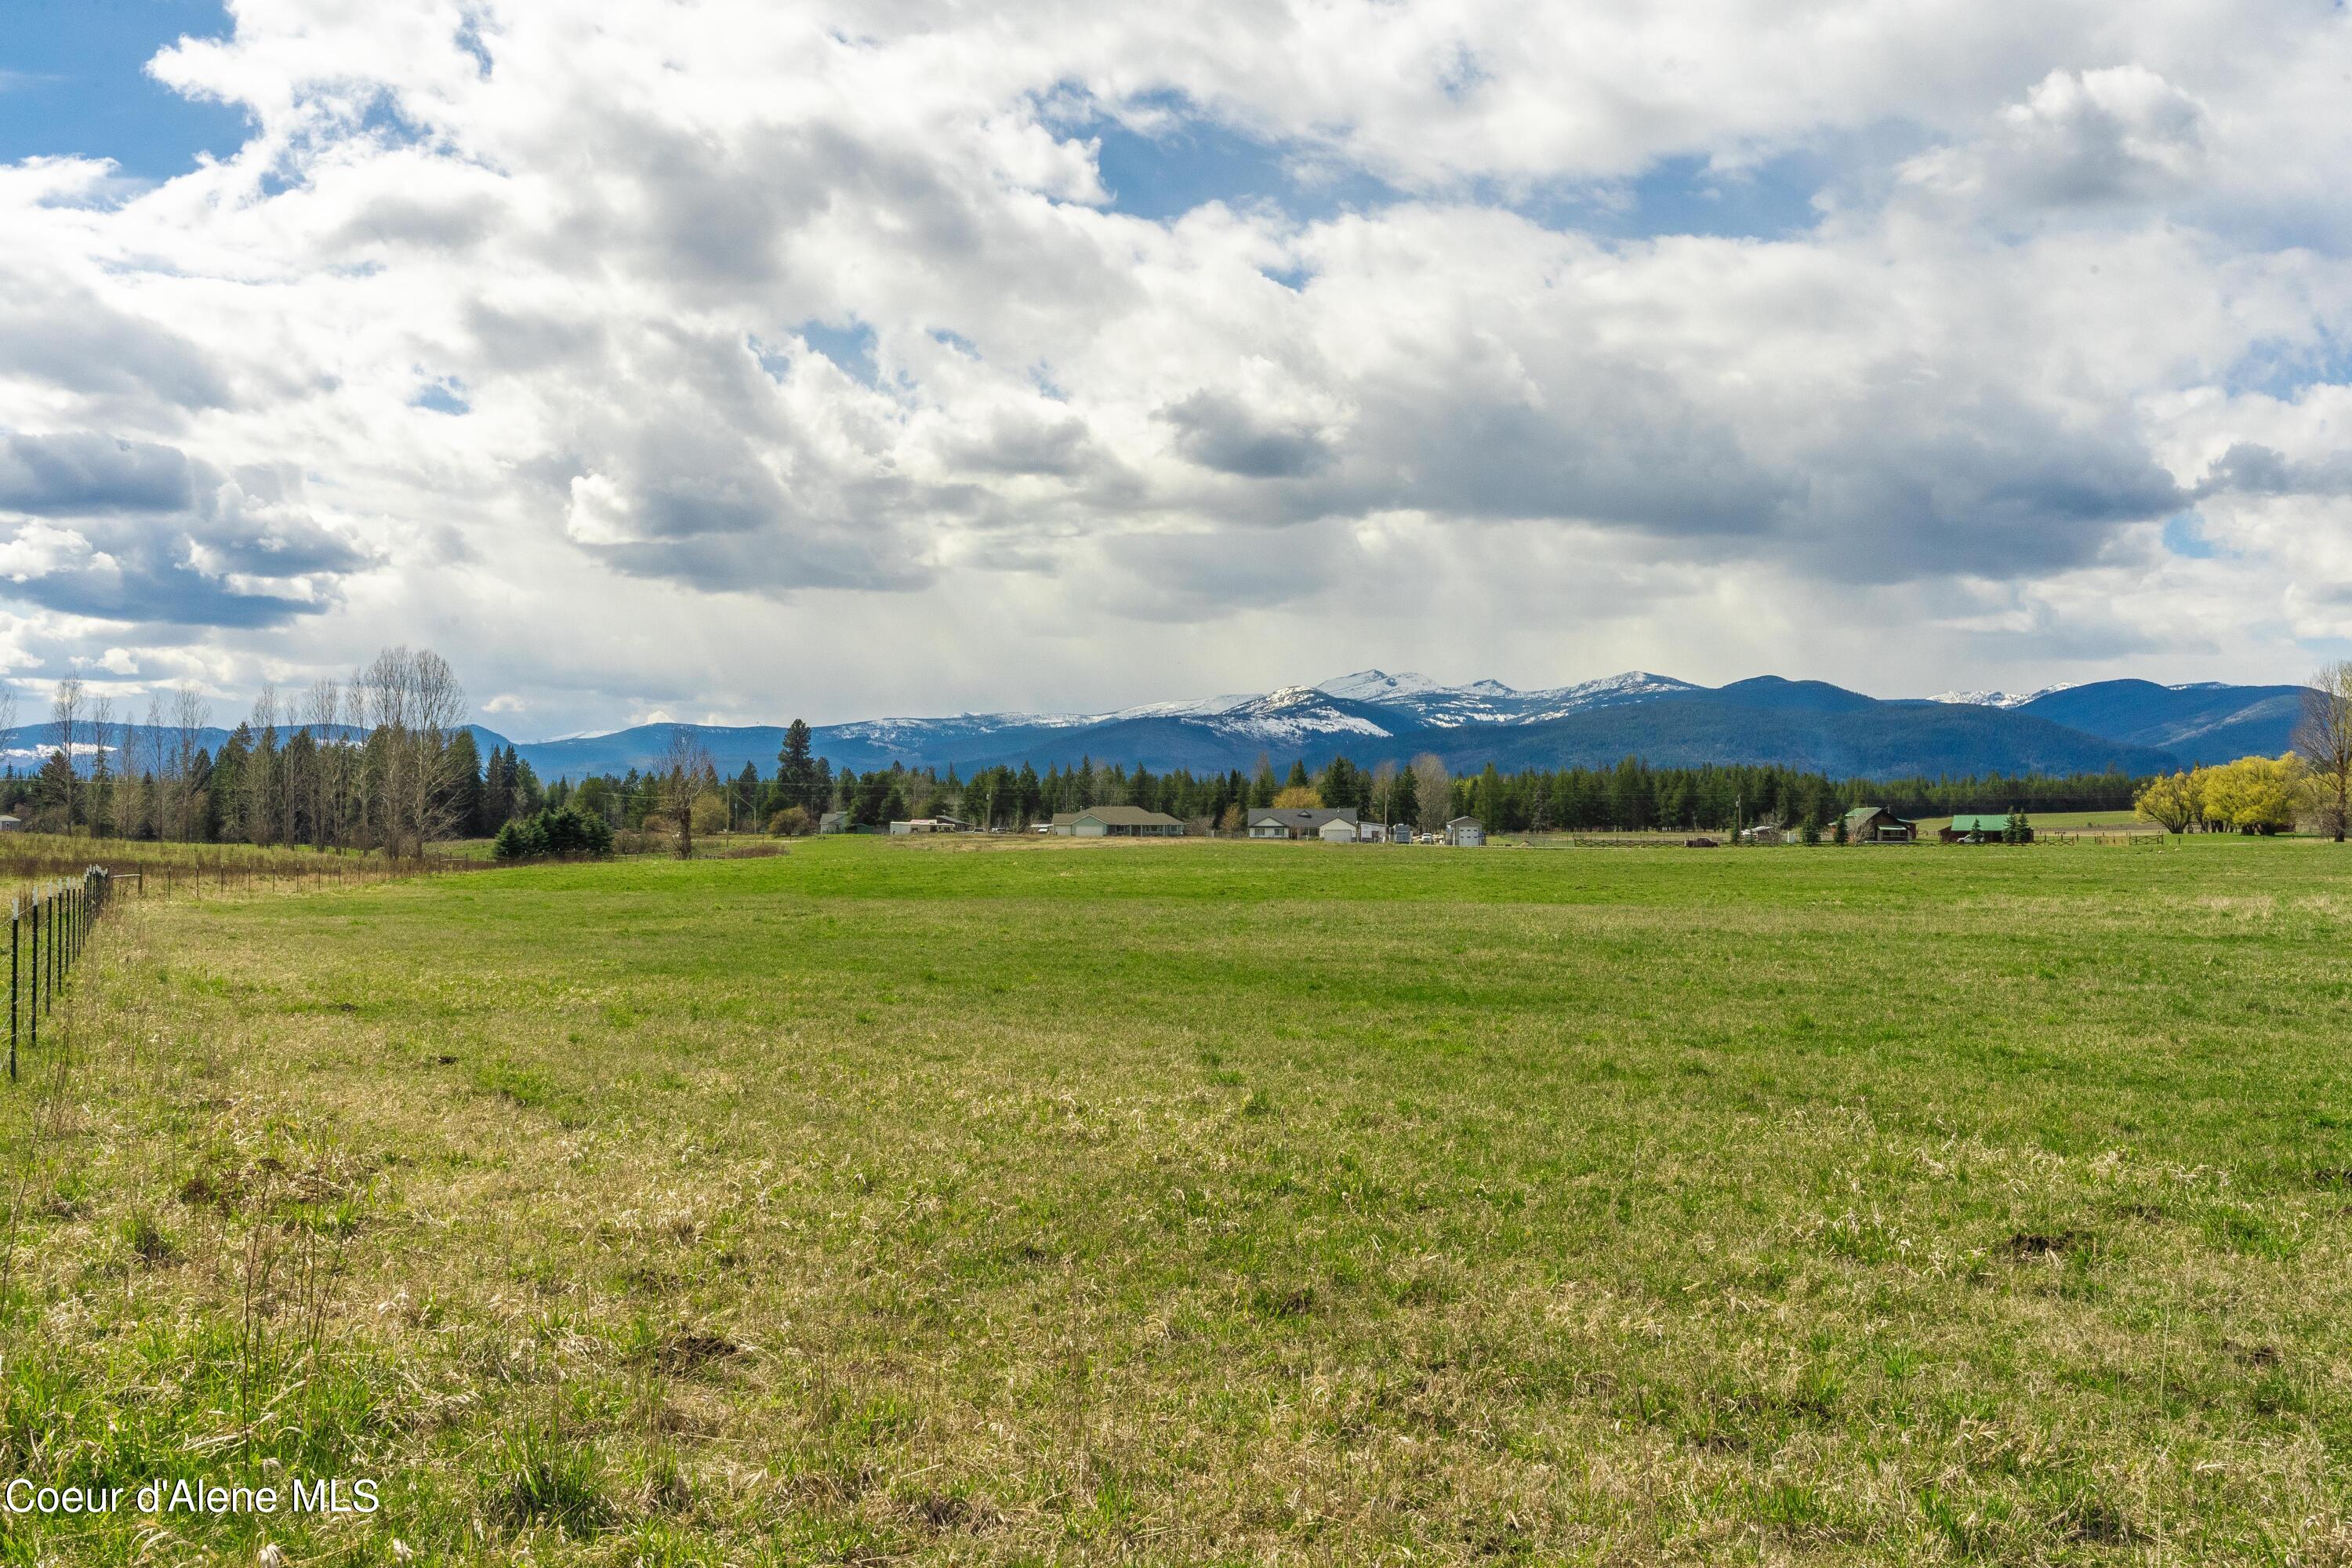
(736, 362)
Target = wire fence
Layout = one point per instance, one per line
(171, 876)
(48, 931)
(57, 905)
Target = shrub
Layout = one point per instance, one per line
(563, 831)
(518, 839)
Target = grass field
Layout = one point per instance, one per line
(1025, 1202)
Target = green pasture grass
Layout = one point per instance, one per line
(1007, 1201)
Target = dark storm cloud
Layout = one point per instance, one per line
(1987, 487)
(1223, 433)
(64, 336)
(136, 530)
(1623, 448)
(52, 476)
(2251, 469)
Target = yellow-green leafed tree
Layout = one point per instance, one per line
(2173, 801)
(1298, 797)
(2324, 740)
(2255, 794)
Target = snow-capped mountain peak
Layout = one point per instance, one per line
(1378, 686)
(1999, 699)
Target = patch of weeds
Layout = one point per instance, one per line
(877, 1421)
(1791, 1508)
(2076, 1509)
(148, 1241)
(1284, 1300)
(539, 1480)
(663, 1487)
(1257, 1104)
(2042, 1244)
(70, 1199)
(2237, 1230)
(519, 1085)
(686, 1351)
(212, 1190)
(2277, 1394)
(1964, 1528)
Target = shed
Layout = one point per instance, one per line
(1467, 833)
(832, 822)
(1876, 825)
(12, 825)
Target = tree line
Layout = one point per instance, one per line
(1421, 792)
(372, 762)
(383, 762)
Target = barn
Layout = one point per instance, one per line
(1876, 825)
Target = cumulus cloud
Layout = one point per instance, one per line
(143, 533)
(2081, 138)
(740, 334)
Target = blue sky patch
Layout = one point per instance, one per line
(2184, 536)
(446, 396)
(850, 348)
(73, 82)
(2275, 367)
(1192, 161)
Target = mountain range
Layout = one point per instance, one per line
(2137, 726)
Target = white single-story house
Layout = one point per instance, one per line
(931, 825)
(1117, 822)
(1298, 822)
(1465, 833)
(1337, 832)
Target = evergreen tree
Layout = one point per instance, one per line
(796, 774)
(465, 766)
(1404, 799)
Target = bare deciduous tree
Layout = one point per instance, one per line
(8, 710)
(413, 704)
(322, 714)
(2324, 739)
(190, 713)
(1384, 778)
(104, 788)
(685, 761)
(65, 726)
(1434, 788)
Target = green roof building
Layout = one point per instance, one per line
(1983, 827)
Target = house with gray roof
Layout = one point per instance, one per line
(1117, 822)
(1298, 822)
